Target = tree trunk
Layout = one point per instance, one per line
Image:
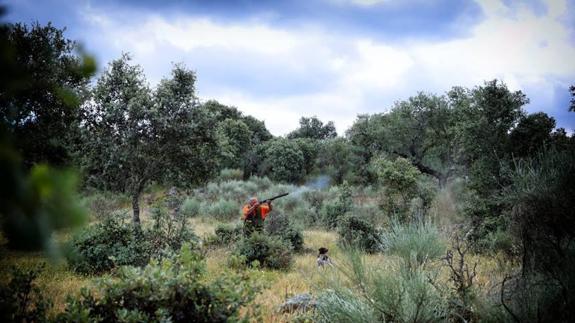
(136, 209)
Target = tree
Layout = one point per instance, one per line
(43, 82)
(337, 159)
(234, 138)
(133, 136)
(532, 134)
(419, 129)
(36, 199)
(313, 128)
(484, 118)
(283, 161)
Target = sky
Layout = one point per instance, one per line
(334, 59)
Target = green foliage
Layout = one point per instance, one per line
(373, 294)
(191, 207)
(532, 133)
(284, 161)
(333, 211)
(355, 232)
(265, 251)
(416, 244)
(280, 225)
(21, 300)
(228, 174)
(173, 290)
(112, 242)
(400, 178)
(42, 79)
(234, 140)
(309, 150)
(43, 83)
(36, 203)
(226, 234)
(132, 135)
(105, 245)
(313, 128)
(540, 197)
(223, 210)
(338, 160)
(168, 232)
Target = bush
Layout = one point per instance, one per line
(280, 225)
(228, 174)
(226, 234)
(415, 243)
(112, 242)
(174, 290)
(376, 295)
(356, 232)
(191, 207)
(101, 247)
(223, 210)
(333, 211)
(168, 233)
(270, 252)
(20, 300)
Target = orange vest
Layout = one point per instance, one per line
(264, 210)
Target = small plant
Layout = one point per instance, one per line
(223, 210)
(356, 232)
(21, 300)
(190, 208)
(269, 252)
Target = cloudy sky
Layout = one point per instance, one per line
(280, 60)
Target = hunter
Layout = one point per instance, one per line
(254, 214)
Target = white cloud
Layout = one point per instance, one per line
(356, 74)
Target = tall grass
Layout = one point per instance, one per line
(416, 243)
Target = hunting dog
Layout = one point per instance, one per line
(322, 258)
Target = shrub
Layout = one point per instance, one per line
(112, 242)
(333, 211)
(168, 233)
(223, 210)
(103, 246)
(20, 300)
(356, 232)
(415, 243)
(191, 207)
(270, 252)
(228, 174)
(280, 225)
(226, 234)
(174, 290)
(376, 295)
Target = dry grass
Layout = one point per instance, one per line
(56, 281)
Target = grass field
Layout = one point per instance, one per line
(57, 281)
